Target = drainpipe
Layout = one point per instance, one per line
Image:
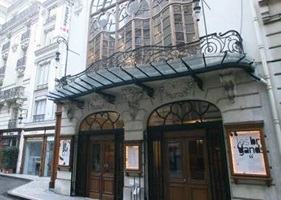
(267, 79)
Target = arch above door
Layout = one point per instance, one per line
(186, 152)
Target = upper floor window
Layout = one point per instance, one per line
(49, 37)
(130, 24)
(43, 74)
(39, 110)
(52, 11)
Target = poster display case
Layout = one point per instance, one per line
(64, 158)
(247, 153)
(133, 157)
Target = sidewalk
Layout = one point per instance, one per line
(37, 189)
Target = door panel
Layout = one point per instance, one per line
(199, 192)
(175, 170)
(95, 170)
(186, 166)
(102, 168)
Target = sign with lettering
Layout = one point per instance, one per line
(247, 152)
(66, 17)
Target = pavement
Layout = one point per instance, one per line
(37, 189)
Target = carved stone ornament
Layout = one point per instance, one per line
(133, 95)
(97, 102)
(70, 110)
(20, 70)
(15, 47)
(24, 46)
(8, 35)
(227, 79)
(177, 88)
(2, 76)
(78, 7)
(5, 56)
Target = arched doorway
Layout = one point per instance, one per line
(186, 153)
(100, 156)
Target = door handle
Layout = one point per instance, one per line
(184, 180)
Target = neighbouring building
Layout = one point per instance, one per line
(29, 41)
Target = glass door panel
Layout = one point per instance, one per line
(95, 164)
(196, 159)
(48, 158)
(108, 165)
(32, 158)
(175, 159)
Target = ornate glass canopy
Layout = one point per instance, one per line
(152, 63)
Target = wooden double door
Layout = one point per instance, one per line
(186, 166)
(101, 167)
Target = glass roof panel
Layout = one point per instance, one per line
(119, 72)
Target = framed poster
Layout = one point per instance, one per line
(64, 151)
(133, 157)
(248, 153)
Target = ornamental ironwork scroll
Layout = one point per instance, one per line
(228, 42)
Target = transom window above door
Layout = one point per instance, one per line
(102, 121)
(184, 112)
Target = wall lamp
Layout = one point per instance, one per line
(20, 118)
(62, 80)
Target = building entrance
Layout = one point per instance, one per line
(101, 167)
(186, 153)
(99, 173)
(186, 166)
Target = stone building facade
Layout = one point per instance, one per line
(169, 107)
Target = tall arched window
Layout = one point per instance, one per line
(129, 24)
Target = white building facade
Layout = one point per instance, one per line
(28, 70)
(165, 109)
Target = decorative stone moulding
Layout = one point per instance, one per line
(2, 76)
(24, 46)
(177, 88)
(25, 38)
(5, 56)
(133, 95)
(227, 79)
(15, 47)
(20, 70)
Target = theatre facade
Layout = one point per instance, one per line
(161, 113)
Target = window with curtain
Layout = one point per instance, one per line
(39, 110)
(129, 24)
(43, 75)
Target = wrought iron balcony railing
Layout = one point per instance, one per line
(5, 47)
(230, 42)
(39, 118)
(12, 123)
(12, 94)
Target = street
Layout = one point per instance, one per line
(7, 183)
